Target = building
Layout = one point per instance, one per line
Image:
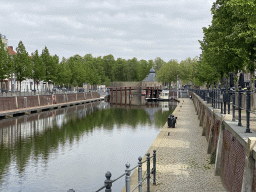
(4, 40)
(150, 80)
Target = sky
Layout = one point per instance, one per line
(145, 29)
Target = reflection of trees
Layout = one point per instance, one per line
(161, 118)
(41, 144)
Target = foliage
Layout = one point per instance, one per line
(6, 63)
(22, 63)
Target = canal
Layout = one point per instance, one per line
(74, 147)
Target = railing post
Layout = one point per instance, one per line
(219, 91)
(221, 107)
(229, 101)
(239, 105)
(148, 172)
(234, 102)
(154, 167)
(108, 182)
(248, 97)
(140, 174)
(127, 177)
(213, 98)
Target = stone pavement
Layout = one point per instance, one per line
(182, 159)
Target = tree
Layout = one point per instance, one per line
(6, 63)
(22, 64)
(158, 62)
(168, 72)
(50, 63)
(38, 68)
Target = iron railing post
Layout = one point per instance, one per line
(234, 102)
(108, 182)
(229, 101)
(213, 93)
(221, 107)
(248, 97)
(140, 174)
(239, 105)
(148, 172)
(127, 178)
(154, 167)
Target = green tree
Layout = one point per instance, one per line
(6, 63)
(169, 72)
(38, 68)
(50, 63)
(22, 64)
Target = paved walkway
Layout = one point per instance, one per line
(182, 159)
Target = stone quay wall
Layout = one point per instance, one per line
(232, 150)
(20, 102)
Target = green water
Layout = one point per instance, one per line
(76, 146)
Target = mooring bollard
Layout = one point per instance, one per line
(248, 97)
(154, 167)
(239, 105)
(140, 174)
(108, 182)
(234, 102)
(148, 172)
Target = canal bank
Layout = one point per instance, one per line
(182, 162)
(21, 105)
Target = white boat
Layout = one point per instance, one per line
(164, 95)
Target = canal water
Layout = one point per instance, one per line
(74, 147)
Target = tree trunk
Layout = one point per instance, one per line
(20, 87)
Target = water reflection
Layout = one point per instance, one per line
(39, 143)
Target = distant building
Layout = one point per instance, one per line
(4, 40)
(150, 80)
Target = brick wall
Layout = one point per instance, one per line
(7, 103)
(233, 162)
(254, 181)
(233, 152)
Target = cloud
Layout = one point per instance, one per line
(126, 29)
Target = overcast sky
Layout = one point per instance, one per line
(144, 29)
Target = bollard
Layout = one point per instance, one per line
(127, 178)
(154, 167)
(148, 172)
(239, 105)
(248, 97)
(140, 174)
(108, 182)
(234, 102)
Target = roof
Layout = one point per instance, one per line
(11, 52)
(151, 76)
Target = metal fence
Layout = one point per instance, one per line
(223, 98)
(108, 182)
(5, 93)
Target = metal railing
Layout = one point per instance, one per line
(219, 98)
(108, 182)
(5, 93)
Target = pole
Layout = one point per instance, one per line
(108, 182)
(148, 172)
(127, 178)
(248, 98)
(140, 174)
(239, 105)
